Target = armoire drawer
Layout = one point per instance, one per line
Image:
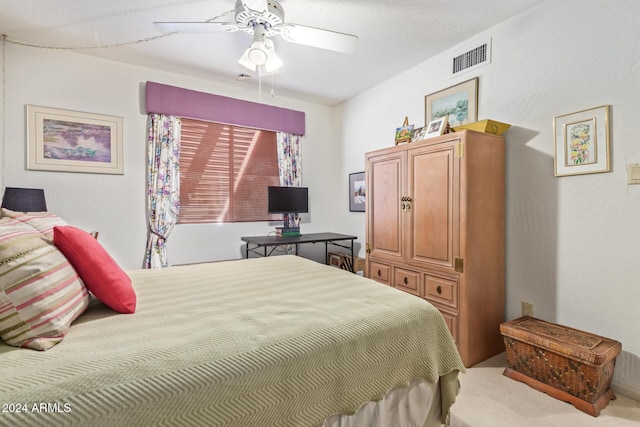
(380, 272)
(452, 324)
(440, 290)
(407, 280)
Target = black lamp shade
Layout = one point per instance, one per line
(24, 199)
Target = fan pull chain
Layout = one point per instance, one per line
(272, 93)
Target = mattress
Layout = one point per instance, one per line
(277, 341)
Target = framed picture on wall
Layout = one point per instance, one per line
(459, 103)
(357, 192)
(582, 142)
(73, 141)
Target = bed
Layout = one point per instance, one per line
(276, 341)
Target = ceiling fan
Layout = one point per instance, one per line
(263, 19)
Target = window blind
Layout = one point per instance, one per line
(224, 172)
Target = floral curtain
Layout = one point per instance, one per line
(163, 185)
(289, 159)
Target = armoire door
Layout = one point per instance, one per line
(385, 187)
(434, 217)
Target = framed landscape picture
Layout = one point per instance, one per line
(73, 141)
(459, 103)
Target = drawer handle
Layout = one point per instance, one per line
(379, 273)
(406, 281)
(439, 289)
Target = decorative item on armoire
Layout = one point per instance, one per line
(436, 127)
(405, 132)
(581, 142)
(419, 133)
(487, 126)
(459, 103)
(24, 199)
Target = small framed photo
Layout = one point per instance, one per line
(419, 134)
(459, 103)
(582, 142)
(357, 193)
(436, 127)
(73, 141)
(404, 134)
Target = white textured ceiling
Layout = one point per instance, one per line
(393, 36)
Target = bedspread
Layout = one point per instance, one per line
(278, 341)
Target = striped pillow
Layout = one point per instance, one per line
(40, 292)
(41, 221)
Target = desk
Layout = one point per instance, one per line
(274, 241)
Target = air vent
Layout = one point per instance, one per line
(472, 59)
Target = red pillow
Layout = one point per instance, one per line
(100, 273)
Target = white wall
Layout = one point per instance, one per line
(115, 204)
(571, 241)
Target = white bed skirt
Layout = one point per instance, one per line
(415, 405)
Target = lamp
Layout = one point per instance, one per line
(24, 199)
(261, 54)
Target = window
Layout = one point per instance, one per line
(224, 172)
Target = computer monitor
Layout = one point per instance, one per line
(288, 199)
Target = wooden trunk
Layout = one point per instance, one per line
(567, 364)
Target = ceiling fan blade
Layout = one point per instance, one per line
(317, 37)
(197, 27)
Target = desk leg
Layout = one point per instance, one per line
(246, 250)
(353, 261)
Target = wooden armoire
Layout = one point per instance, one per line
(435, 228)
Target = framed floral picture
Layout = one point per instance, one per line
(73, 141)
(582, 142)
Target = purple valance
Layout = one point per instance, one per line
(181, 102)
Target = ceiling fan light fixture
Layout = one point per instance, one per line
(274, 63)
(261, 53)
(258, 53)
(246, 62)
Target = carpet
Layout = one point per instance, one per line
(489, 399)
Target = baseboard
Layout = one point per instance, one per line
(626, 390)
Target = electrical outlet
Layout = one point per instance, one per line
(527, 309)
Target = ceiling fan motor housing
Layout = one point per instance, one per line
(247, 18)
